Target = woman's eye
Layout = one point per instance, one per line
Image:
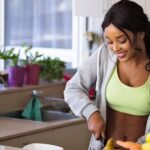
(108, 42)
(122, 41)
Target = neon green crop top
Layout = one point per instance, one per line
(126, 99)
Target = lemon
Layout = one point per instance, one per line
(109, 144)
(147, 139)
(146, 146)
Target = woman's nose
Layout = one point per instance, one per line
(115, 47)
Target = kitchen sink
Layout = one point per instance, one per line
(54, 115)
(53, 111)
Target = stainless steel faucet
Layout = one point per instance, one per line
(37, 92)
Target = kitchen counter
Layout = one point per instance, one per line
(11, 127)
(64, 133)
(19, 132)
(2, 147)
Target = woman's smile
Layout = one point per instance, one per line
(121, 55)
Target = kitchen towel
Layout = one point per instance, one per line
(33, 109)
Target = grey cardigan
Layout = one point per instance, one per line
(95, 71)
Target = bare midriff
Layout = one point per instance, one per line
(124, 127)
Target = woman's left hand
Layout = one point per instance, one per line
(129, 145)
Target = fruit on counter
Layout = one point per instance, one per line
(146, 146)
(147, 139)
(109, 144)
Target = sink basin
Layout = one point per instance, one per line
(55, 110)
(47, 115)
(54, 115)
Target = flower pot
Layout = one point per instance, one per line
(32, 74)
(16, 76)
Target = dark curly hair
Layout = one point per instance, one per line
(128, 15)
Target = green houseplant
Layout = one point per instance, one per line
(45, 69)
(52, 69)
(32, 66)
(15, 72)
(10, 55)
(57, 69)
(30, 57)
(4, 56)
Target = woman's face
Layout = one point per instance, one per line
(120, 44)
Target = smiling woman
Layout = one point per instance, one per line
(120, 73)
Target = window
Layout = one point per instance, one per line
(42, 23)
(48, 25)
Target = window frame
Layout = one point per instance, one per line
(73, 55)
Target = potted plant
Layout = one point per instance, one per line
(15, 72)
(4, 57)
(45, 73)
(32, 66)
(57, 69)
(52, 69)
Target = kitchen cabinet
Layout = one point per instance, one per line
(94, 23)
(100, 7)
(106, 5)
(144, 3)
(74, 136)
(94, 8)
(17, 98)
(147, 8)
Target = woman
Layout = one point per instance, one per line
(120, 70)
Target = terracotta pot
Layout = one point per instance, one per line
(32, 74)
(16, 76)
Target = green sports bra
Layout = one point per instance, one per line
(126, 99)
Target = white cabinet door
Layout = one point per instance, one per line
(140, 2)
(147, 7)
(96, 7)
(88, 7)
(106, 5)
(114, 1)
(144, 3)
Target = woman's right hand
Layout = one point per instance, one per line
(96, 125)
